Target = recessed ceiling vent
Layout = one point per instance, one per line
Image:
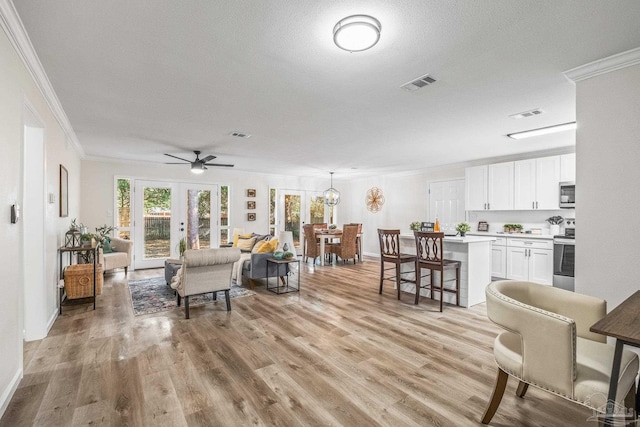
(418, 83)
(240, 135)
(530, 113)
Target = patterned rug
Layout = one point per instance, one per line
(153, 295)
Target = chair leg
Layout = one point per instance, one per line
(522, 389)
(418, 281)
(398, 279)
(125, 271)
(441, 290)
(458, 286)
(186, 307)
(251, 283)
(226, 295)
(431, 282)
(179, 299)
(215, 296)
(381, 275)
(496, 397)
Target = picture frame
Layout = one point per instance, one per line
(251, 216)
(251, 192)
(483, 226)
(251, 204)
(64, 192)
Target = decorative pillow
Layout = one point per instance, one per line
(261, 236)
(257, 246)
(240, 236)
(246, 244)
(269, 246)
(106, 246)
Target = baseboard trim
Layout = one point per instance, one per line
(52, 319)
(8, 392)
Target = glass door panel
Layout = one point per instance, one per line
(199, 206)
(153, 241)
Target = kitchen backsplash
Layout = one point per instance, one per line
(528, 219)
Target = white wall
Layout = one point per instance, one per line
(608, 176)
(17, 87)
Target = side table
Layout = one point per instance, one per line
(286, 287)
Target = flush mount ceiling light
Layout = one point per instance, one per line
(356, 33)
(331, 196)
(542, 131)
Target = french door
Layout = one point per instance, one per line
(166, 212)
(296, 208)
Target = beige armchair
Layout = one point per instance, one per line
(204, 271)
(547, 344)
(120, 257)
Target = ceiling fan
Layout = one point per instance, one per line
(198, 165)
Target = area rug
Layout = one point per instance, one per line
(153, 295)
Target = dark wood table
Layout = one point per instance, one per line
(623, 324)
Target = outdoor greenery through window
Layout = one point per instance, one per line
(224, 214)
(123, 206)
(272, 211)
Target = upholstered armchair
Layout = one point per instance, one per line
(547, 344)
(204, 271)
(120, 255)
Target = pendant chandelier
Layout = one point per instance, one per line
(331, 196)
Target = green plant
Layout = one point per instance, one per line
(555, 220)
(463, 227)
(415, 225)
(103, 232)
(333, 227)
(182, 246)
(74, 225)
(288, 255)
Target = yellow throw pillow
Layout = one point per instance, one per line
(240, 236)
(246, 244)
(269, 246)
(257, 246)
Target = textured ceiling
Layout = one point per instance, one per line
(141, 78)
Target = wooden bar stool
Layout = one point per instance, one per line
(390, 252)
(430, 255)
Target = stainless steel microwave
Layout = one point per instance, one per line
(568, 194)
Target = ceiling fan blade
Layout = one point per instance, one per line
(176, 157)
(206, 159)
(174, 163)
(218, 164)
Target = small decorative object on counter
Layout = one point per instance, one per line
(426, 226)
(463, 228)
(512, 228)
(415, 226)
(483, 226)
(554, 224)
(73, 237)
(333, 227)
(288, 255)
(436, 227)
(278, 255)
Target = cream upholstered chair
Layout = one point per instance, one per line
(547, 344)
(119, 255)
(204, 271)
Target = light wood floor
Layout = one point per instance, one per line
(335, 354)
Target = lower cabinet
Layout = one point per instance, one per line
(530, 260)
(499, 258)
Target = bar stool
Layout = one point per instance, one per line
(430, 255)
(390, 252)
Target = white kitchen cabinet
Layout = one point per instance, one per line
(499, 258)
(530, 260)
(489, 187)
(568, 167)
(536, 183)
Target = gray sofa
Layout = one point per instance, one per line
(256, 268)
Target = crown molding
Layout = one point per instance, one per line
(17, 35)
(603, 66)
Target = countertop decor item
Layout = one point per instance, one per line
(374, 199)
(415, 226)
(555, 220)
(463, 228)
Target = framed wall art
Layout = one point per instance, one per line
(251, 216)
(251, 192)
(251, 205)
(64, 192)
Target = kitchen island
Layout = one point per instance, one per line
(474, 253)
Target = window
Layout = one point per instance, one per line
(123, 207)
(224, 214)
(272, 211)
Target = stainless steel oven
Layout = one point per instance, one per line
(564, 257)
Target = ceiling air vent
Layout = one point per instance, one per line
(418, 83)
(240, 135)
(530, 113)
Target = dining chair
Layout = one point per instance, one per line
(430, 255)
(311, 247)
(358, 239)
(348, 246)
(389, 240)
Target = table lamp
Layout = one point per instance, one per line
(286, 238)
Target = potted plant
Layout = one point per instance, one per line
(415, 226)
(517, 228)
(554, 224)
(86, 239)
(103, 233)
(463, 228)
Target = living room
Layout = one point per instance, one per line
(603, 103)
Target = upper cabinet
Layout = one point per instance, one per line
(536, 183)
(489, 187)
(568, 167)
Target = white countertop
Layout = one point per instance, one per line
(458, 239)
(518, 235)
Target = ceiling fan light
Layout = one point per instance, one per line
(356, 33)
(197, 168)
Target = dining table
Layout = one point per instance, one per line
(326, 235)
(622, 324)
